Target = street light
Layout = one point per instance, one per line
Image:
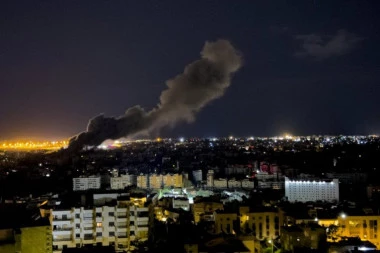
(272, 243)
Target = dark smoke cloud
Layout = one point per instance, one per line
(201, 82)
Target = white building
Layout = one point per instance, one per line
(303, 191)
(107, 226)
(197, 175)
(210, 178)
(182, 203)
(220, 183)
(123, 181)
(232, 183)
(245, 183)
(86, 183)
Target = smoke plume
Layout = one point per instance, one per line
(201, 82)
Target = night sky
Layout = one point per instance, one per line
(310, 67)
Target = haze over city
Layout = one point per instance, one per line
(310, 67)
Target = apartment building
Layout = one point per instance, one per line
(104, 226)
(174, 180)
(155, 181)
(122, 181)
(143, 181)
(262, 223)
(305, 190)
(86, 183)
(224, 222)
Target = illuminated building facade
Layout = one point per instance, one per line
(224, 222)
(143, 181)
(210, 178)
(104, 226)
(260, 223)
(175, 180)
(197, 175)
(86, 183)
(304, 191)
(123, 181)
(201, 209)
(155, 181)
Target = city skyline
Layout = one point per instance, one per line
(309, 68)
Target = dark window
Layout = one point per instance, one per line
(99, 234)
(112, 234)
(111, 224)
(111, 214)
(77, 216)
(77, 235)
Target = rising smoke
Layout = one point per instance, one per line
(201, 82)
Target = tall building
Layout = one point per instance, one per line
(123, 181)
(197, 175)
(86, 183)
(210, 178)
(103, 226)
(305, 190)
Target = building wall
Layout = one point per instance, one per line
(143, 181)
(210, 178)
(197, 175)
(365, 227)
(36, 239)
(175, 180)
(155, 181)
(224, 222)
(205, 207)
(107, 225)
(260, 224)
(86, 183)
(123, 181)
(303, 191)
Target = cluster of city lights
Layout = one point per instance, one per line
(33, 145)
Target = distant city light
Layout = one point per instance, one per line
(181, 139)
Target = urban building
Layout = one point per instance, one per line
(103, 226)
(143, 181)
(201, 209)
(224, 222)
(35, 237)
(262, 223)
(120, 182)
(309, 236)
(172, 180)
(86, 183)
(210, 178)
(304, 191)
(232, 183)
(246, 183)
(197, 175)
(220, 183)
(155, 181)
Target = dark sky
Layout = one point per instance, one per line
(311, 67)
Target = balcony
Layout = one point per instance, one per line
(61, 218)
(62, 240)
(62, 229)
